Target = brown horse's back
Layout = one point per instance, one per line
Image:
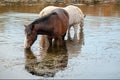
(64, 18)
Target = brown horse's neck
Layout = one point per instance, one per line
(43, 29)
(44, 24)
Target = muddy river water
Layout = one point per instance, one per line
(93, 54)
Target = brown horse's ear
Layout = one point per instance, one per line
(25, 26)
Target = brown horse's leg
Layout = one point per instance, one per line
(63, 36)
(54, 43)
(42, 41)
(50, 41)
(59, 42)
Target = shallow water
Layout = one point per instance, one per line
(94, 54)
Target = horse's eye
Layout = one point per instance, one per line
(29, 34)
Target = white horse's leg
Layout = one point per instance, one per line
(69, 36)
(76, 29)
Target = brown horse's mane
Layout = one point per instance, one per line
(41, 19)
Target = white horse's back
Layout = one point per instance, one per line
(47, 10)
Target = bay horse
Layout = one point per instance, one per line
(54, 25)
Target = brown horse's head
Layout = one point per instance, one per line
(30, 36)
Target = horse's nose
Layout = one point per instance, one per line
(26, 45)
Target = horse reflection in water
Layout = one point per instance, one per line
(53, 60)
(74, 45)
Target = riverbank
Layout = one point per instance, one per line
(57, 2)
